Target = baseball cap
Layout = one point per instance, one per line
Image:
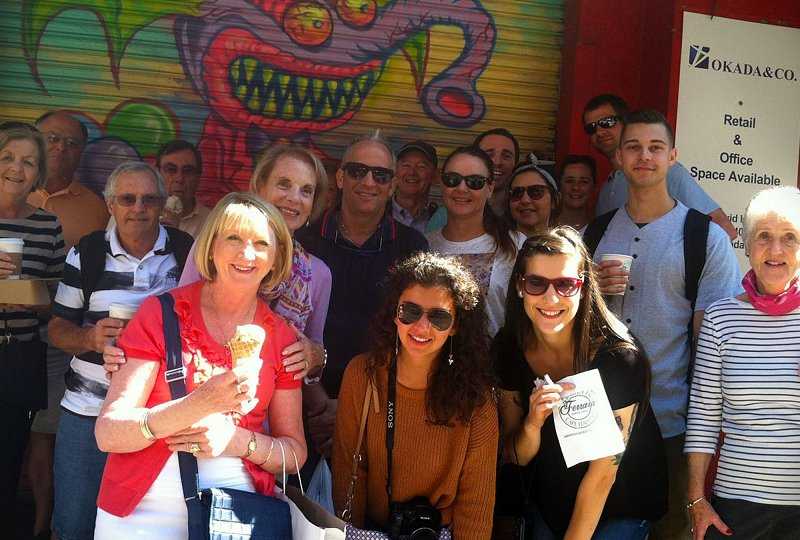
(421, 146)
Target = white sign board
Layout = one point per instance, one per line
(738, 128)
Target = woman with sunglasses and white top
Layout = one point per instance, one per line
(558, 325)
(473, 233)
(533, 198)
(430, 365)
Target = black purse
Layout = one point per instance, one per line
(217, 513)
(24, 364)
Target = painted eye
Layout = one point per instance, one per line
(308, 23)
(357, 12)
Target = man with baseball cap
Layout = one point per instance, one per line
(416, 170)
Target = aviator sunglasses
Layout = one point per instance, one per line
(474, 181)
(358, 171)
(129, 199)
(535, 192)
(607, 123)
(409, 313)
(565, 286)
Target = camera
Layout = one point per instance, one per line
(414, 520)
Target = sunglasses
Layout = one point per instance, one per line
(607, 123)
(148, 201)
(186, 170)
(358, 171)
(565, 286)
(474, 181)
(409, 313)
(535, 192)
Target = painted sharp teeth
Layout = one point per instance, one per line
(272, 94)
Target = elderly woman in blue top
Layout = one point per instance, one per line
(747, 384)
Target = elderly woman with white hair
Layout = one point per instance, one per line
(747, 384)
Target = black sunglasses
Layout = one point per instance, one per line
(607, 123)
(409, 313)
(565, 286)
(148, 201)
(474, 181)
(535, 192)
(358, 171)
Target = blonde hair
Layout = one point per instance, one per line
(18, 131)
(235, 210)
(782, 202)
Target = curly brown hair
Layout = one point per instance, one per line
(455, 391)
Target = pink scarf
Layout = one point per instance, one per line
(772, 304)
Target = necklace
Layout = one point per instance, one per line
(349, 237)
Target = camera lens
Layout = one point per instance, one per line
(424, 533)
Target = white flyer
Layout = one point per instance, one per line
(584, 422)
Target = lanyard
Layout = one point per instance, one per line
(391, 419)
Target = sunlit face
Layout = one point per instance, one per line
(501, 150)
(576, 185)
(64, 145)
(414, 174)
(181, 174)
(646, 154)
(604, 140)
(290, 187)
(140, 218)
(19, 168)
(774, 251)
(461, 201)
(243, 256)
(551, 313)
(530, 215)
(421, 338)
(366, 196)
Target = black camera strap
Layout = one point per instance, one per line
(391, 419)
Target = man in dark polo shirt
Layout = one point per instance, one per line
(359, 241)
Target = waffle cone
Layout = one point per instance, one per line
(246, 342)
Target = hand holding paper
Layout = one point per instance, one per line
(544, 399)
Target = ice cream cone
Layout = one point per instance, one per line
(246, 343)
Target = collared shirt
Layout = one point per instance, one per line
(358, 274)
(680, 184)
(193, 221)
(655, 307)
(125, 279)
(418, 222)
(78, 208)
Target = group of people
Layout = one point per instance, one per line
(406, 342)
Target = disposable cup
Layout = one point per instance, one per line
(626, 261)
(13, 247)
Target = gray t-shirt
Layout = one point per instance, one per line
(655, 307)
(680, 184)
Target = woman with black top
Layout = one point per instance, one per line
(558, 325)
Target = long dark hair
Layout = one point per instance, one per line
(455, 391)
(495, 227)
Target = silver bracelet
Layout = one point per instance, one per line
(144, 428)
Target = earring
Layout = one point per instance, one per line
(450, 358)
(396, 344)
(519, 293)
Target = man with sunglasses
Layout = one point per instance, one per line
(137, 257)
(602, 122)
(359, 241)
(180, 164)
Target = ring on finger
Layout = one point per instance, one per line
(194, 448)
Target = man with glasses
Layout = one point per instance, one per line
(602, 122)
(180, 164)
(136, 258)
(416, 170)
(359, 240)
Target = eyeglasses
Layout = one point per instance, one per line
(607, 123)
(148, 201)
(535, 192)
(186, 170)
(474, 181)
(69, 142)
(409, 313)
(565, 286)
(358, 171)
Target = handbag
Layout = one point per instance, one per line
(218, 513)
(24, 363)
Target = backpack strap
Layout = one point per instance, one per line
(92, 252)
(596, 229)
(180, 243)
(695, 240)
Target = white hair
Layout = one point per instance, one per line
(782, 202)
(374, 137)
(134, 166)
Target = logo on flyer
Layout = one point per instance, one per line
(578, 410)
(698, 56)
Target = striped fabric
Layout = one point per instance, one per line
(42, 257)
(746, 382)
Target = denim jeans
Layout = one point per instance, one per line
(609, 529)
(77, 471)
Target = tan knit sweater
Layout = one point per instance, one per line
(454, 467)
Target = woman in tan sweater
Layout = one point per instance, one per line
(430, 368)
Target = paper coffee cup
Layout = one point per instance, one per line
(13, 247)
(123, 312)
(626, 261)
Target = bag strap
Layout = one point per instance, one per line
(179, 243)
(596, 229)
(695, 240)
(370, 393)
(175, 376)
(92, 253)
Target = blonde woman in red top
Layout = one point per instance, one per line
(243, 244)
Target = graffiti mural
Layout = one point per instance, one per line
(237, 75)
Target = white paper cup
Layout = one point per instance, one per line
(122, 312)
(626, 261)
(13, 247)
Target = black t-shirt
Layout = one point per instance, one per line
(640, 489)
(358, 274)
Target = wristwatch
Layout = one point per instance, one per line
(318, 376)
(251, 445)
